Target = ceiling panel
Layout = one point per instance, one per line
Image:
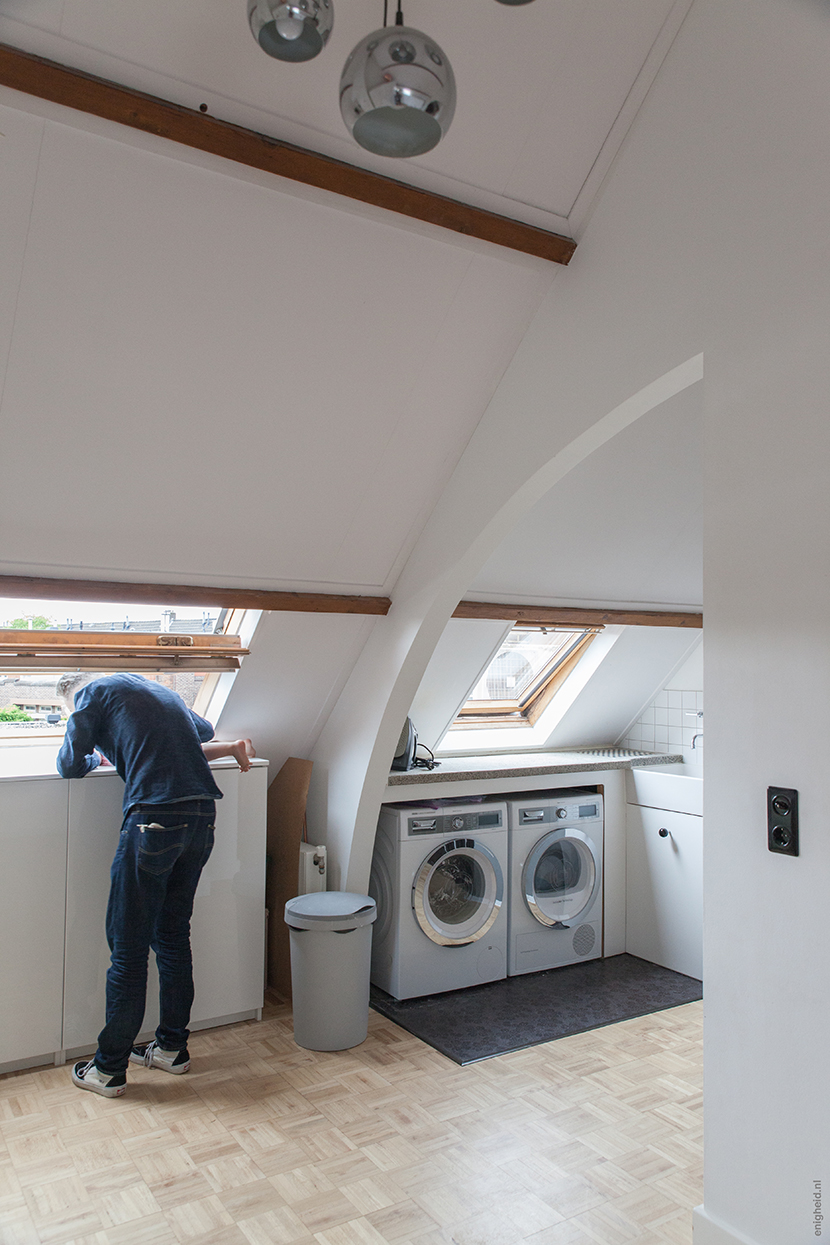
(580, 88)
(19, 151)
(45, 14)
(195, 354)
(471, 346)
(539, 85)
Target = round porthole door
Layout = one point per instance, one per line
(458, 892)
(561, 877)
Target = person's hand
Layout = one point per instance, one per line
(102, 760)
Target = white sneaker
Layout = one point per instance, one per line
(152, 1056)
(86, 1075)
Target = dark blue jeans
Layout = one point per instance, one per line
(161, 853)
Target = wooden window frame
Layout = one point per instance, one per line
(37, 650)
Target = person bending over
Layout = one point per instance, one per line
(161, 750)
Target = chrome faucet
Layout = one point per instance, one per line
(695, 713)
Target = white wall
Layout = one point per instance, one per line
(690, 675)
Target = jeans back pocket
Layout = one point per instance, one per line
(159, 846)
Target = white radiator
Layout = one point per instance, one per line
(312, 869)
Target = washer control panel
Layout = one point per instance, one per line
(456, 821)
(589, 808)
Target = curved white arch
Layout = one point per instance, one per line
(359, 739)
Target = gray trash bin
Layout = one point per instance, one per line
(331, 949)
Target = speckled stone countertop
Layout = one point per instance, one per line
(526, 764)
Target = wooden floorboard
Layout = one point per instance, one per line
(590, 1140)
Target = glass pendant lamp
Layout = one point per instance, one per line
(397, 91)
(291, 30)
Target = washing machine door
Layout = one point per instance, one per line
(561, 877)
(458, 892)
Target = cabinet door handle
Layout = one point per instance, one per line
(663, 832)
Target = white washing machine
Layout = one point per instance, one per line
(555, 868)
(439, 876)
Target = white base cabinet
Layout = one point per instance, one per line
(664, 888)
(94, 822)
(32, 899)
(57, 840)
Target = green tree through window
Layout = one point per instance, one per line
(39, 623)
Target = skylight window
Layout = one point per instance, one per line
(184, 647)
(522, 678)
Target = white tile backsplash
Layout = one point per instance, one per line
(669, 724)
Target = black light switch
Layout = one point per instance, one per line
(782, 820)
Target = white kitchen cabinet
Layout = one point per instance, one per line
(94, 823)
(664, 888)
(227, 930)
(32, 909)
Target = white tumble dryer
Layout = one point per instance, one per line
(556, 884)
(439, 881)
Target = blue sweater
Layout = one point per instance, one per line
(147, 732)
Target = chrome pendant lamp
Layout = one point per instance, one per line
(397, 91)
(291, 30)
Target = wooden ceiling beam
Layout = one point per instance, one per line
(34, 75)
(566, 616)
(40, 588)
(186, 594)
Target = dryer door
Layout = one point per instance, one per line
(561, 877)
(458, 892)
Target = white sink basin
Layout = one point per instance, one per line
(677, 792)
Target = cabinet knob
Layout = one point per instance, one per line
(663, 832)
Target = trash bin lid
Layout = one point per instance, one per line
(334, 910)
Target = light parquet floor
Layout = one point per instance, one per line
(590, 1140)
